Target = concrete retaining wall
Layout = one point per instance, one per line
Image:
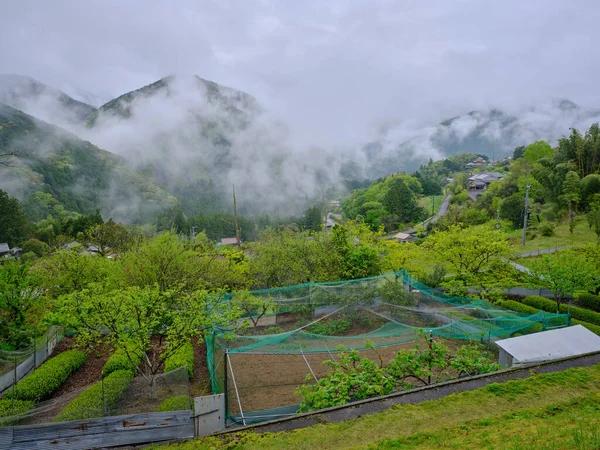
(418, 395)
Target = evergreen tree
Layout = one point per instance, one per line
(13, 221)
(401, 201)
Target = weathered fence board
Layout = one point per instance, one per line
(102, 432)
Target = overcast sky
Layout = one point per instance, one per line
(334, 69)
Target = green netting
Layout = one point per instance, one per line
(383, 311)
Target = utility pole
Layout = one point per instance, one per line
(235, 218)
(193, 233)
(432, 205)
(525, 212)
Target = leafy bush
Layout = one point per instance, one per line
(49, 376)
(546, 228)
(550, 306)
(120, 361)
(394, 292)
(33, 245)
(9, 408)
(590, 326)
(355, 378)
(518, 307)
(89, 404)
(183, 357)
(177, 403)
(333, 327)
(273, 329)
(589, 301)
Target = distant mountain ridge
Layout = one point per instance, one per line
(32, 96)
(492, 132)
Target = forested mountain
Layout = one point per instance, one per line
(492, 132)
(35, 98)
(56, 173)
(196, 139)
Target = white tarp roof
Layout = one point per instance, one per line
(553, 344)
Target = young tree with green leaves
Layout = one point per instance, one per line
(252, 306)
(129, 318)
(13, 221)
(563, 273)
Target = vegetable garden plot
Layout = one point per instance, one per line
(268, 362)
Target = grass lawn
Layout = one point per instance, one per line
(558, 410)
(562, 238)
(429, 202)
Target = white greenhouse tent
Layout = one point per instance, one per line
(548, 345)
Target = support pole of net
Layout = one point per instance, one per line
(225, 387)
(309, 368)
(236, 389)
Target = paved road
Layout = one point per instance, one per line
(443, 210)
(544, 251)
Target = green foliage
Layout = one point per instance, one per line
(589, 301)
(355, 378)
(119, 360)
(20, 303)
(546, 228)
(550, 306)
(176, 403)
(49, 376)
(564, 273)
(313, 219)
(349, 379)
(9, 407)
(401, 201)
(13, 222)
(253, 307)
(518, 307)
(103, 394)
(590, 326)
(394, 293)
(331, 327)
(33, 245)
(182, 357)
(511, 209)
(538, 150)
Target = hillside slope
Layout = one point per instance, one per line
(557, 410)
(56, 173)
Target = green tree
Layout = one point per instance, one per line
(21, 302)
(538, 150)
(564, 273)
(253, 307)
(571, 195)
(33, 245)
(129, 318)
(512, 209)
(313, 219)
(13, 221)
(472, 254)
(109, 235)
(593, 215)
(401, 201)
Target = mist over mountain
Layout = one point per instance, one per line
(42, 101)
(492, 132)
(56, 173)
(190, 140)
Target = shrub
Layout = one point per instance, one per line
(49, 376)
(273, 329)
(33, 245)
(590, 326)
(9, 408)
(518, 307)
(589, 301)
(120, 361)
(550, 306)
(183, 357)
(333, 327)
(177, 403)
(88, 404)
(546, 228)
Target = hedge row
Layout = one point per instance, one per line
(119, 361)
(88, 404)
(590, 326)
(550, 306)
(177, 403)
(8, 409)
(519, 307)
(184, 356)
(589, 301)
(51, 375)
